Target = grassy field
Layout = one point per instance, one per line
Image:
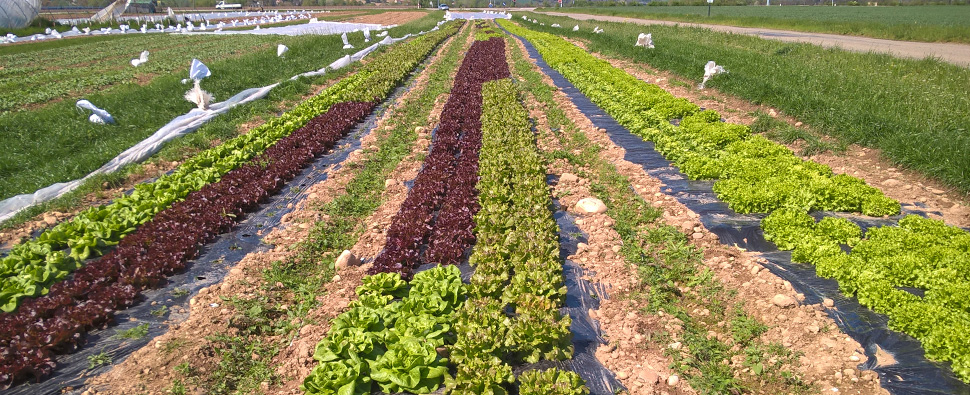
(915, 111)
(39, 78)
(56, 143)
(913, 23)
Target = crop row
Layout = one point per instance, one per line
(386, 348)
(756, 175)
(920, 253)
(32, 267)
(752, 173)
(160, 248)
(391, 336)
(512, 315)
(446, 182)
(344, 354)
(113, 281)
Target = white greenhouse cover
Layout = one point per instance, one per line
(15, 14)
(112, 12)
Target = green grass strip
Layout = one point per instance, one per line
(930, 23)
(52, 142)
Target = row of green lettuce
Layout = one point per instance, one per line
(32, 267)
(752, 173)
(756, 175)
(391, 336)
(920, 253)
(405, 337)
(512, 315)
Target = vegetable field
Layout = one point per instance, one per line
(470, 211)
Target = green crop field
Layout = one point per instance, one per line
(912, 23)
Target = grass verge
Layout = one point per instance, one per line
(936, 23)
(912, 110)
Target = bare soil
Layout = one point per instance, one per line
(828, 357)
(388, 18)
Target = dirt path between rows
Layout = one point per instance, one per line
(958, 54)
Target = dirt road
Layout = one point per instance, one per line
(958, 54)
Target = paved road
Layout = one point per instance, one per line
(958, 54)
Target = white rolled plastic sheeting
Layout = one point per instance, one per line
(98, 116)
(347, 44)
(178, 127)
(645, 40)
(710, 70)
(347, 60)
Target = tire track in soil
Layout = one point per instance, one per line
(805, 329)
(152, 367)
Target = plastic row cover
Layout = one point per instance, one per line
(477, 15)
(179, 126)
(322, 28)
